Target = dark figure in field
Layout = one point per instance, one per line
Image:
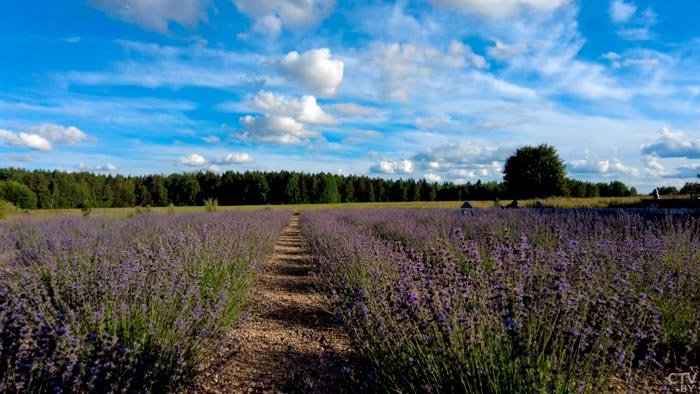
(539, 205)
(513, 204)
(656, 194)
(466, 205)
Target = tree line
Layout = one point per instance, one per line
(57, 189)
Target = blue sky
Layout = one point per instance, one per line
(439, 89)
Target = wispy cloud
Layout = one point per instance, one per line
(156, 15)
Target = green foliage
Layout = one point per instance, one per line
(211, 205)
(535, 172)
(18, 194)
(61, 190)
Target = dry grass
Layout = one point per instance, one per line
(557, 202)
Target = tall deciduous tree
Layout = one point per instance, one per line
(533, 172)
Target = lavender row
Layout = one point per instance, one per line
(123, 305)
(512, 301)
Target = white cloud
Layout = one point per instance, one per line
(313, 69)
(399, 67)
(621, 12)
(275, 129)
(653, 163)
(177, 66)
(24, 140)
(634, 25)
(553, 58)
(589, 166)
(352, 109)
(617, 166)
(271, 16)
(268, 24)
(430, 177)
(17, 157)
(673, 144)
(504, 51)
(284, 120)
(235, 158)
(393, 167)
(433, 123)
(500, 8)
(611, 56)
(193, 160)
(214, 168)
(471, 174)
(109, 167)
(459, 52)
(304, 110)
(602, 167)
(212, 139)
(460, 154)
(62, 135)
(156, 14)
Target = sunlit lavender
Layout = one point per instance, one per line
(123, 305)
(512, 300)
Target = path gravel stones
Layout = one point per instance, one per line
(289, 341)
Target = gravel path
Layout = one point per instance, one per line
(289, 341)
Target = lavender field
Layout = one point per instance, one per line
(512, 301)
(101, 304)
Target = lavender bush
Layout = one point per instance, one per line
(122, 305)
(512, 301)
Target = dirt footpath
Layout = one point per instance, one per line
(289, 341)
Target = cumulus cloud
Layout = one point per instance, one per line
(274, 129)
(61, 135)
(235, 158)
(499, 8)
(40, 137)
(109, 167)
(471, 174)
(24, 140)
(193, 160)
(653, 163)
(621, 12)
(284, 120)
(352, 109)
(461, 154)
(589, 166)
(304, 110)
(686, 171)
(271, 16)
(602, 167)
(673, 144)
(314, 70)
(393, 167)
(430, 177)
(156, 15)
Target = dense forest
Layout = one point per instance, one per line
(57, 189)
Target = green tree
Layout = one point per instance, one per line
(535, 172)
(18, 194)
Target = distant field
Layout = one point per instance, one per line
(558, 202)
